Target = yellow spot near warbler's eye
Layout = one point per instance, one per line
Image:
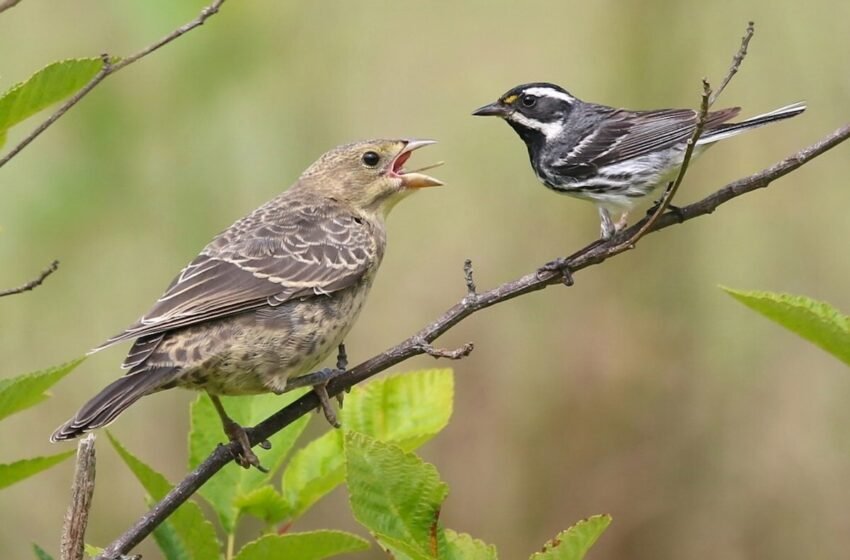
(510, 99)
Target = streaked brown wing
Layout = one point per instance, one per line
(267, 258)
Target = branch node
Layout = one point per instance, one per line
(434, 352)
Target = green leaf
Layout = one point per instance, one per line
(169, 542)
(816, 321)
(233, 481)
(24, 391)
(40, 553)
(303, 546)
(196, 533)
(395, 495)
(574, 543)
(25, 468)
(3, 143)
(264, 503)
(463, 547)
(407, 409)
(51, 84)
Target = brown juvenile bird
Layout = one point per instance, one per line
(270, 297)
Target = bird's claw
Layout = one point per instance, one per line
(673, 209)
(558, 265)
(321, 391)
(245, 457)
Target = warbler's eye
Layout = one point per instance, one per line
(371, 159)
(528, 100)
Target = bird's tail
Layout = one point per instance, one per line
(727, 130)
(105, 407)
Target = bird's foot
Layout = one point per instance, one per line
(321, 391)
(319, 382)
(673, 209)
(558, 265)
(246, 457)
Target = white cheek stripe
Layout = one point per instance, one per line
(550, 130)
(549, 92)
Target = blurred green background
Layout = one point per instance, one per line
(643, 391)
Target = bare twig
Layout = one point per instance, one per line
(471, 290)
(593, 254)
(736, 62)
(110, 66)
(673, 187)
(77, 516)
(34, 283)
(6, 4)
(708, 99)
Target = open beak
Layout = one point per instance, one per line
(414, 179)
(495, 109)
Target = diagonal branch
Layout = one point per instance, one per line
(34, 283)
(110, 66)
(593, 254)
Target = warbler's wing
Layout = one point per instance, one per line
(623, 135)
(273, 255)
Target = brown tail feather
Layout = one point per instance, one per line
(104, 407)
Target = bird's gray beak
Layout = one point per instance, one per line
(415, 179)
(496, 109)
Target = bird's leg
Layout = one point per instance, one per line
(608, 229)
(341, 366)
(319, 381)
(235, 432)
(622, 222)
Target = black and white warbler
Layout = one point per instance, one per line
(612, 157)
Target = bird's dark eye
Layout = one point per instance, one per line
(528, 100)
(371, 159)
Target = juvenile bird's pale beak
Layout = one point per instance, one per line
(415, 179)
(496, 109)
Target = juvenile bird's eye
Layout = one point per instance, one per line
(528, 100)
(371, 159)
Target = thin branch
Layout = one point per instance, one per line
(708, 99)
(673, 187)
(77, 516)
(111, 66)
(736, 62)
(34, 283)
(595, 253)
(6, 4)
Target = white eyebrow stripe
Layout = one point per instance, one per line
(549, 92)
(550, 130)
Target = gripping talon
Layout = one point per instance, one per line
(330, 415)
(246, 458)
(558, 265)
